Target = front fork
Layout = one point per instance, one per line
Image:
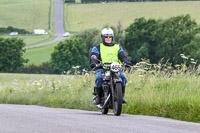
(115, 78)
(105, 87)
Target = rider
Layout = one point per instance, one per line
(107, 52)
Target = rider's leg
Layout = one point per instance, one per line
(124, 80)
(98, 92)
(98, 88)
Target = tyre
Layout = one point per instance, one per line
(104, 111)
(117, 99)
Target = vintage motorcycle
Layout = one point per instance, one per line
(112, 88)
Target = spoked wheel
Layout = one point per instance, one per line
(104, 111)
(117, 99)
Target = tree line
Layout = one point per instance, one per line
(155, 40)
(97, 1)
(10, 29)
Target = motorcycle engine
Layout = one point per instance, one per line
(107, 75)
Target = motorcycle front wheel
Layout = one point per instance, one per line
(104, 111)
(117, 99)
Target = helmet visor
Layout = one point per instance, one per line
(108, 36)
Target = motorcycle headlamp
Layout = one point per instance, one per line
(107, 73)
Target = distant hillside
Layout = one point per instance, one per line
(25, 14)
(84, 16)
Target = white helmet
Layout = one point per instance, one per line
(107, 32)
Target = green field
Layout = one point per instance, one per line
(39, 55)
(33, 39)
(85, 16)
(173, 96)
(28, 15)
(25, 14)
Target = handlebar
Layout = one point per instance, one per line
(108, 65)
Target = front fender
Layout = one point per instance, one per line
(117, 80)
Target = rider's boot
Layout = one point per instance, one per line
(123, 94)
(98, 92)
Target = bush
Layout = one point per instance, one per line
(11, 59)
(44, 68)
(68, 54)
(91, 37)
(69, 1)
(11, 29)
(157, 39)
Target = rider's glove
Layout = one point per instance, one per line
(98, 65)
(128, 63)
(93, 65)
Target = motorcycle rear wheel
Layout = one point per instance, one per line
(117, 99)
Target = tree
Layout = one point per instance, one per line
(91, 37)
(175, 37)
(68, 53)
(11, 57)
(119, 37)
(138, 39)
(157, 39)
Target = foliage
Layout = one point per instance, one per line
(157, 39)
(91, 37)
(12, 29)
(174, 37)
(119, 37)
(138, 40)
(68, 53)
(69, 1)
(194, 44)
(96, 1)
(44, 68)
(11, 59)
(152, 89)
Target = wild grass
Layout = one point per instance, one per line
(25, 14)
(174, 97)
(152, 89)
(62, 91)
(85, 16)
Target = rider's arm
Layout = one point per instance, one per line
(95, 51)
(123, 57)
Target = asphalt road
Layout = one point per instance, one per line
(58, 25)
(37, 119)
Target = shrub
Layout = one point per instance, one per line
(11, 59)
(44, 68)
(12, 29)
(68, 54)
(157, 39)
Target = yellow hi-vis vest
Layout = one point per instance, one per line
(109, 54)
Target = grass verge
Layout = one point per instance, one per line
(175, 96)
